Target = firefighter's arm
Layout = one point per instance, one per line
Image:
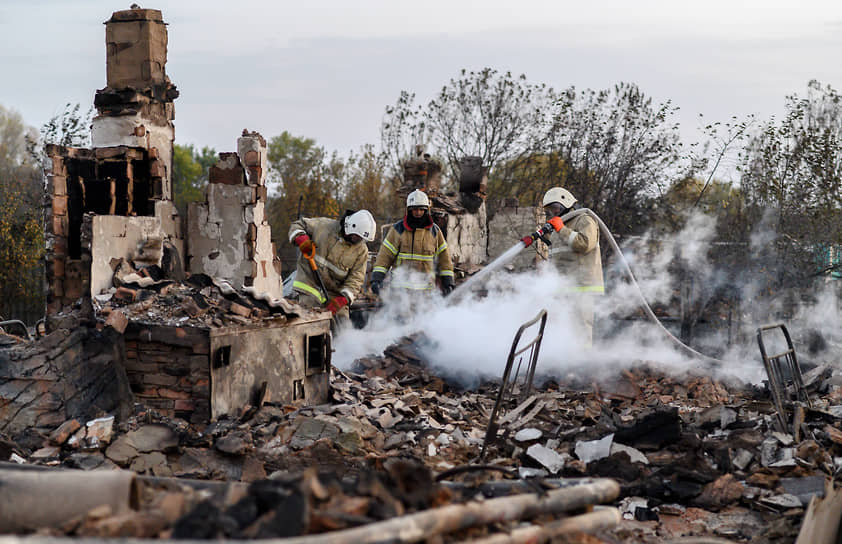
(583, 240)
(445, 264)
(387, 254)
(353, 284)
(299, 227)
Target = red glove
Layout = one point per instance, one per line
(304, 243)
(557, 223)
(336, 304)
(527, 241)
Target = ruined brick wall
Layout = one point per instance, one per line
(228, 234)
(467, 238)
(102, 203)
(68, 374)
(136, 107)
(168, 369)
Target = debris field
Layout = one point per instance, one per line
(689, 455)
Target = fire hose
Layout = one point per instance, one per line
(550, 227)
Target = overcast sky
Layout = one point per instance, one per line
(326, 69)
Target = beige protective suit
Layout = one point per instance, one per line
(341, 264)
(575, 252)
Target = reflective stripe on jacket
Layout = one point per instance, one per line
(575, 251)
(341, 264)
(422, 250)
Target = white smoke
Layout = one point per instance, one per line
(470, 338)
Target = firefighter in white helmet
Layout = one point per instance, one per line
(341, 257)
(575, 252)
(414, 245)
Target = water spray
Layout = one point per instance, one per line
(548, 228)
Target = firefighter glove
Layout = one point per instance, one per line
(304, 243)
(527, 241)
(377, 282)
(557, 223)
(446, 285)
(336, 304)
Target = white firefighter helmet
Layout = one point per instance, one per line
(362, 224)
(562, 196)
(417, 198)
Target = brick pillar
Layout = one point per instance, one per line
(136, 49)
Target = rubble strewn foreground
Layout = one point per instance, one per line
(689, 455)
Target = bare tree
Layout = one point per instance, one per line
(792, 180)
(485, 114)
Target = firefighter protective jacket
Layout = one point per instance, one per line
(341, 264)
(423, 249)
(576, 252)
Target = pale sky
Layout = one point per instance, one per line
(326, 69)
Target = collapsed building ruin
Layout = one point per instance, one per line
(690, 456)
(111, 222)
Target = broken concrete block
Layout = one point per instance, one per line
(742, 458)
(99, 431)
(88, 461)
(530, 472)
(768, 451)
(549, 459)
(47, 452)
(234, 443)
(308, 430)
(350, 443)
(121, 451)
(154, 463)
(783, 438)
(15, 458)
(151, 438)
(525, 435)
(594, 449)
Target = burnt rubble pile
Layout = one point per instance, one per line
(692, 456)
(148, 294)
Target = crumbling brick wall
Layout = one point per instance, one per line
(110, 198)
(229, 236)
(71, 373)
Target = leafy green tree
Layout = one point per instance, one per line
(190, 174)
(367, 186)
(21, 236)
(305, 179)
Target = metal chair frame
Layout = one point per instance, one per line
(507, 383)
(775, 366)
